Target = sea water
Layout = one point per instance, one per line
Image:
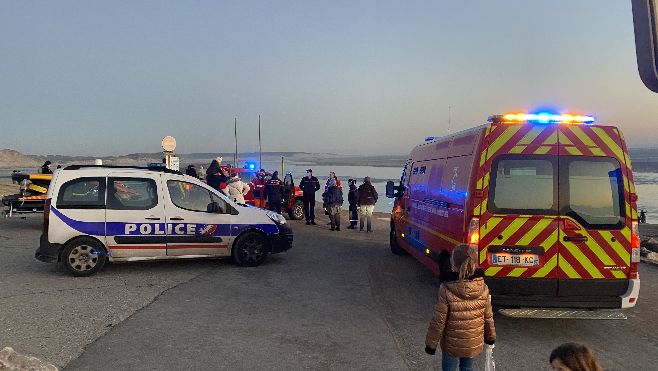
(646, 184)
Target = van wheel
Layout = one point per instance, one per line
(83, 256)
(250, 250)
(395, 248)
(297, 211)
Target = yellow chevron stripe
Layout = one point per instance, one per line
(596, 249)
(625, 183)
(628, 209)
(513, 227)
(552, 139)
(454, 242)
(618, 274)
(532, 135)
(517, 149)
(582, 259)
(627, 233)
(516, 272)
(492, 271)
(486, 180)
(574, 151)
(484, 204)
(564, 140)
(609, 142)
(627, 158)
(502, 139)
(483, 157)
(582, 136)
(568, 269)
(550, 241)
(535, 231)
(621, 135)
(547, 268)
(631, 186)
(478, 185)
(542, 150)
(596, 151)
(486, 132)
(634, 215)
(619, 249)
(488, 226)
(478, 209)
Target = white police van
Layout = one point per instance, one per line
(95, 214)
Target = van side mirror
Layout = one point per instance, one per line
(393, 191)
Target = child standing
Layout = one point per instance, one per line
(463, 318)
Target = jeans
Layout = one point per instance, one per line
(450, 363)
(309, 208)
(366, 212)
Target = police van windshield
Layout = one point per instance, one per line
(590, 189)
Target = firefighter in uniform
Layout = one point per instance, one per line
(309, 185)
(274, 191)
(259, 189)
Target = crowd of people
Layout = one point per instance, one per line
(270, 192)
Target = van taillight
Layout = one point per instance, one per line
(635, 249)
(474, 232)
(46, 215)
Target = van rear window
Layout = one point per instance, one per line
(588, 189)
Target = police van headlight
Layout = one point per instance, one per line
(276, 217)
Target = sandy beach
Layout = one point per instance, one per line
(8, 189)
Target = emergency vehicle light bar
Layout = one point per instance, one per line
(541, 118)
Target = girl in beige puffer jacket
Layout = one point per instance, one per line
(463, 318)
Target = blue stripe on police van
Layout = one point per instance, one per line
(89, 228)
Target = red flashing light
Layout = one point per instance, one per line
(570, 225)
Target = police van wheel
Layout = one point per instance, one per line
(395, 248)
(297, 211)
(250, 250)
(83, 256)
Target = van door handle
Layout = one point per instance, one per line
(176, 218)
(576, 239)
(152, 217)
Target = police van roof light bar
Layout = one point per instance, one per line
(541, 118)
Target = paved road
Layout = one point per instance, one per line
(336, 301)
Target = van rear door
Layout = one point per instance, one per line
(519, 212)
(595, 212)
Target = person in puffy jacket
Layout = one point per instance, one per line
(463, 318)
(213, 174)
(366, 200)
(274, 192)
(309, 185)
(333, 198)
(191, 171)
(236, 189)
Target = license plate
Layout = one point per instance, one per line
(524, 260)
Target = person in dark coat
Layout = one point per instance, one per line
(191, 171)
(334, 200)
(223, 178)
(352, 198)
(274, 191)
(45, 168)
(213, 174)
(309, 185)
(258, 188)
(366, 201)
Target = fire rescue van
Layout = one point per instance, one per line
(120, 214)
(547, 200)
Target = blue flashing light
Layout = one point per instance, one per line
(250, 166)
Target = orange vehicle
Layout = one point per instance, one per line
(548, 201)
(293, 204)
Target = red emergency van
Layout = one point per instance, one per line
(548, 201)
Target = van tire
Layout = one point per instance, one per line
(250, 250)
(83, 256)
(297, 210)
(395, 248)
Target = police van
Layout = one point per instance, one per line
(548, 201)
(95, 214)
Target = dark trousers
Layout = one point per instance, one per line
(309, 208)
(354, 216)
(275, 205)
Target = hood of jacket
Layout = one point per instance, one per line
(468, 289)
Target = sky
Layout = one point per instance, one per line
(101, 78)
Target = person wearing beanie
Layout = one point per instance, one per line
(213, 174)
(45, 168)
(274, 192)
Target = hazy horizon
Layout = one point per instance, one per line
(347, 77)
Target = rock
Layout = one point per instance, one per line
(644, 252)
(10, 360)
(651, 244)
(652, 256)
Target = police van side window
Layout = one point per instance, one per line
(131, 193)
(189, 196)
(523, 185)
(82, 193)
